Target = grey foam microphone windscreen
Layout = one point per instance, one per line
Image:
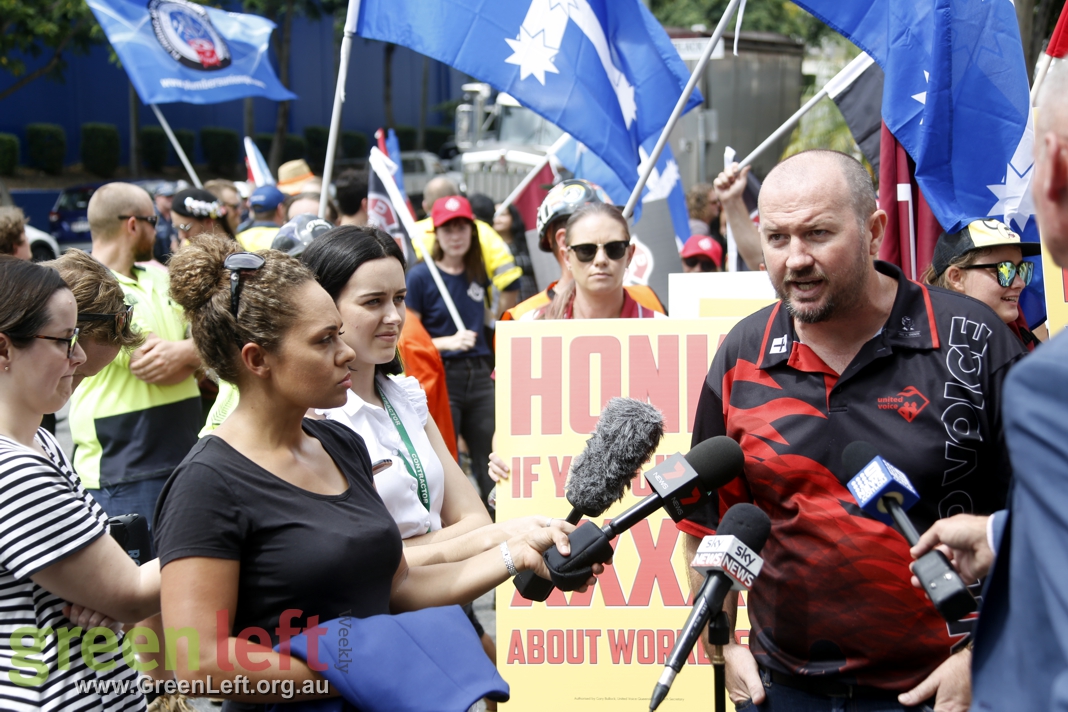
(627, 433)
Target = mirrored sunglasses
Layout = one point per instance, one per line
(1006, 271)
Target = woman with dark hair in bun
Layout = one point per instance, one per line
(273, 519)
(58, 567)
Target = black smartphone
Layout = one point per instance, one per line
(131, 532)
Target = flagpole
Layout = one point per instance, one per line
(378, 165)
(177, 146)
(698, 70)
(529, 177)
(351, 18)
(838, 83)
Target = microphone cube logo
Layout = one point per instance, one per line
(880, 479)
(731, 556)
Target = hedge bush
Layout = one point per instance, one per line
(316, 138)
(9, 154)
(221, 148)
(354, 144)
(294, 147)
(47, 147)
(436, 136)
(187, 139)
(100, 149)
(154, 148)
(406, 136)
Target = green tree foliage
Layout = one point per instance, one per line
(52, 28)
(780, 16)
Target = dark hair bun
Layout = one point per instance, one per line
(197, 271)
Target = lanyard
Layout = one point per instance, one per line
(413, 464)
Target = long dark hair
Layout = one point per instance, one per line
(25, 288)
(474, 269)
(336, 255)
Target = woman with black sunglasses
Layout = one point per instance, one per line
(273, 522)
(598, 254)
(986, 261)
(54, 547)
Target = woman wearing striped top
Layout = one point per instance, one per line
(54, 548)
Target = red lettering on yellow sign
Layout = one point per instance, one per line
(583, 348)
(547, 387)
(656, 382)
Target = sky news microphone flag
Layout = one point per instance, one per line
(602, 70)
(177, 51)
(664, 183)
(956, 97)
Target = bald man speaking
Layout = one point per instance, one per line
(851, 351)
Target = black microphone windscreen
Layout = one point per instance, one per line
(627, 434)
(856, 455)
(747, 522)
(717, 461)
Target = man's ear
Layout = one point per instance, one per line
(877, 228)
(363, 205)
(561, 241)
(254, 357)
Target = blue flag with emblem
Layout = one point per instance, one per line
(956, 96)
(602, 70)
(664, 182)
(178, 51)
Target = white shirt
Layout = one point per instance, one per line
(397, 488)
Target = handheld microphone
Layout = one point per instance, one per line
(679, 484)
(885, 492)
(627, 434)
(730, 561)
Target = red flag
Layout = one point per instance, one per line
(532, 196)
(910, 225)
(1058, 43)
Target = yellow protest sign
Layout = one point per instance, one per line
(599, 650)
(1056, 283)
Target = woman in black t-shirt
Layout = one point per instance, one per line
(272, 523)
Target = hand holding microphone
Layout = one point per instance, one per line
(679, 485)
(885, 492)
(627, 434)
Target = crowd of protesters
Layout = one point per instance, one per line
(319, 350)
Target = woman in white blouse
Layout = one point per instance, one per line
(439, 512)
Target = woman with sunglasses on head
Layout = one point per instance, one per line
(466, 354)
(599, 251)
(273, 520)
(56, 558)
(985, 261)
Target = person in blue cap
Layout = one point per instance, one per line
(267, 205)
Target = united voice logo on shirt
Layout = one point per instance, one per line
(909, 403)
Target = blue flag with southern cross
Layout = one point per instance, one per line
(602, 70)
(178, 51)
(956, 97)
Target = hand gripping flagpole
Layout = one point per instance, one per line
(698, 70)
(381, 167)
(177, 146)
(833, 88)
(557, 145)
(351, 18)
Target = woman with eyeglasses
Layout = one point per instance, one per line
(56, 557)
(599, 251)
(986, 261)
(273, 520)
(465, 353)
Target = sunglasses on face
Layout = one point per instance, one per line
(1006, 271)
(71, 340)
(241, 263)
(150, 219)
(122, 318)
(704, 263)
(612, 250)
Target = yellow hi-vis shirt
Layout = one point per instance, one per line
(124, 429)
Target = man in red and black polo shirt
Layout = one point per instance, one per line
(853, 351)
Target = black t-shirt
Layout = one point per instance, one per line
(833, 597)
(325, 555)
